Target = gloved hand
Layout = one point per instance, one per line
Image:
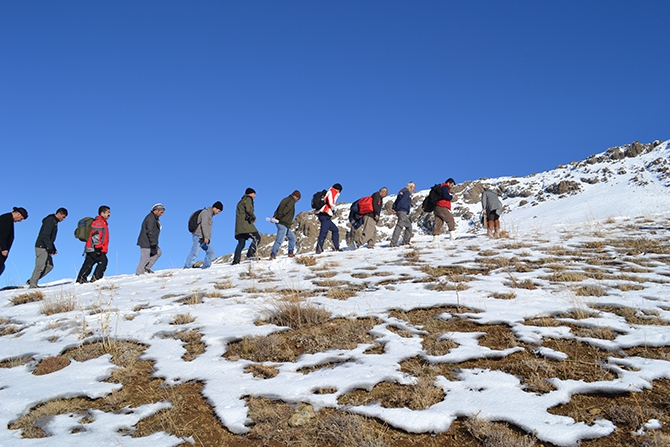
(153, 250)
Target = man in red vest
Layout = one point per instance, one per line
(443, 211)
(96, 248)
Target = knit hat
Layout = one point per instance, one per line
(22, 211)
(296, 194)
(218, 205)
(250, 191)
(338, 187)
(158, 206)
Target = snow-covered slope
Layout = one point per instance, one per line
(514, 282)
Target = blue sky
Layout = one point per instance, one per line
(130, 103)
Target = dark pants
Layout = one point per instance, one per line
(326, 226)
(2, 263)
(91, 259)
(241, 242)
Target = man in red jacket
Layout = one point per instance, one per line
(96, 248)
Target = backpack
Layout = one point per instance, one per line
(365, 205)
(83, 230)
(193, 221)
(318, 199)
(434, 196)
(355, 218)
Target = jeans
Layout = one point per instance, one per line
(326, 226)
(283, 232)
(241, 242)
(199, 243)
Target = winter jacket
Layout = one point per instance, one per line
(6, 231)
(330, 199)
(445, 201)
(285, 211)
(377, 202)
(151, 229)
(244, 216)
(47, 236)
(403, 202)
(204, 228)
(98, 240)
(491, 202)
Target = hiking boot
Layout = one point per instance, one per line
(235, 262)
(273, 257)
(148, 270)
(318, 251)
(291, 255)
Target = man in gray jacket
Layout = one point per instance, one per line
(202, 236)
(45, 246)
(148, 240)
(491, 211)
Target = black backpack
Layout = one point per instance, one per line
(355, 218)
(434, 196)
(193, 221)
(318, 199)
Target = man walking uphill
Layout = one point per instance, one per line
(244, 226)
(443, 211)
(148, 240)
(401, 208)
(97, 246)
(368, 231)
(325, 215)
(283, 218)
(45, 246)
(202, 236)
(492, 209)
(7, 232)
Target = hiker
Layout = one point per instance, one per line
(148, 239)
(491, 211)
(370, 214)
(244, 226)
(96, 248)
(325, 215)
(443, 211)
(202, 236)
(45, 246)
(401, 208)
(283, 218)
(7, 232)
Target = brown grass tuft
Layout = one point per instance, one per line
(29, 297)
(51, 364)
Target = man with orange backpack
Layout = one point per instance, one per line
(443, 211)
(97, 246)
(370, 208)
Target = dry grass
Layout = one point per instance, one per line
(419, 396)
(51, 364)
(29, 297)
(182, 319)
(503, 295)
(590, 290)
(307, 261)
(223, 285)
(296, 315)
(496, 434)
(58, 304)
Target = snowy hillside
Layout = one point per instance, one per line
(559, 329)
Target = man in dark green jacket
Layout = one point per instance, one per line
(244, 226)
(148, 240)
(45, 246)
(283, 218)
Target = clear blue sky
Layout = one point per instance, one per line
(129, 103)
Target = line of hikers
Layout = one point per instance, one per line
(363, 216)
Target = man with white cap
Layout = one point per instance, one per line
(148, 240)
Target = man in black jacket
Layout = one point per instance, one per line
(148, 240)
(7, 232)
(45, 246)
